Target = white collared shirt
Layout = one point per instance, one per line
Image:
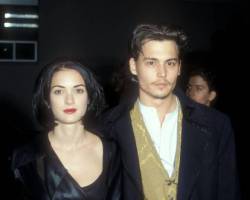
(163, 136)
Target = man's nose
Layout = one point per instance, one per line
(189, 91)
(192, 92)
(161, 70)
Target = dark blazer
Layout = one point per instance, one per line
(207, 164)
(42, 176)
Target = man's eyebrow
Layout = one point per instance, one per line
(172, 59)
(149, 58)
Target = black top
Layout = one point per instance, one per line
(97, 189)
(43, 177)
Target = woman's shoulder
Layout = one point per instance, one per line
(27, 152)
(22, 155)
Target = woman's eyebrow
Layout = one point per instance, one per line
(60, 86)
(79, 85)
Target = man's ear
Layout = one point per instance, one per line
(212, 95)
(132, 66)
(179, 72)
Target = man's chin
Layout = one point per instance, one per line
(156, 94)
(160, 96)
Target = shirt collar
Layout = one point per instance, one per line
(145, 109)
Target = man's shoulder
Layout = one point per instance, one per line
(116, 113)
(207, 117)
(199, 112)
(214, 114)
(115, 121)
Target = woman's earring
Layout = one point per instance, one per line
(134, 79)
(47, 104)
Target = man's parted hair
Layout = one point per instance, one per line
(148, 32)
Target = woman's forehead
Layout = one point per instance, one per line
(67, 76)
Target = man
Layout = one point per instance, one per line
(171, 147)
(201, 86)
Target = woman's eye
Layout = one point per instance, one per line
(79, 90)
(58, 92)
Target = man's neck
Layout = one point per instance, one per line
(162, 106)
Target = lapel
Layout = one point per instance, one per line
(129, 152)
(194, 143)
(192, 151)
(58, 182)
(195, 137)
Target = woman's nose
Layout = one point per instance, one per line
(69, 99)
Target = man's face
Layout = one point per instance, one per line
(199, 91)
(157, 69)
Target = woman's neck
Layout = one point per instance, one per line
(68, 136)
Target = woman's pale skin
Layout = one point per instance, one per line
(80, 151)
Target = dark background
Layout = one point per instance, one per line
(99, 32)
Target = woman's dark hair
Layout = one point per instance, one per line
(148, 32)
(41, 101)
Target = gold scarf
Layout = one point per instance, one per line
(157, 185)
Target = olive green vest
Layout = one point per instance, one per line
(157, 185)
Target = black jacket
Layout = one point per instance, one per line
(207, 164)
(42, 176)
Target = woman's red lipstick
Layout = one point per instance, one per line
(69, 110)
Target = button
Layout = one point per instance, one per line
(170, 197)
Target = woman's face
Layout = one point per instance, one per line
(199, 91)
(68, 96)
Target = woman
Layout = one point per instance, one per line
(201, 87)
(70, 162)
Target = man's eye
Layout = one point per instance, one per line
(150, 63)
(171, 63)
(199, 88)
(79, 90)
